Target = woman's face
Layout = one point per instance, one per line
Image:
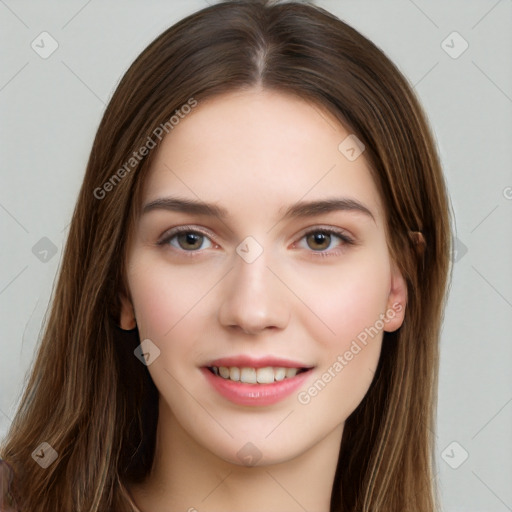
(272, 281)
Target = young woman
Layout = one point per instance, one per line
(248, 309)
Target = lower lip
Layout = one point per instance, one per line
(241, 393)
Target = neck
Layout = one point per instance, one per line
(186, 476)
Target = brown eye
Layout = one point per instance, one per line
(186, 240)
(190, 240)
(325, 240)
(318, 240)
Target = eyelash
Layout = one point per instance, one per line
(345, 239)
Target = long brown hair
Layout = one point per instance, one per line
(89, 397)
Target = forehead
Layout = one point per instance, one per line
(259, 151)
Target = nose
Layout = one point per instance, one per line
(253, 298)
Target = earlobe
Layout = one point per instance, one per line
(397, 300)
(127, 320)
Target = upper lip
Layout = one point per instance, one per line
(244, 361)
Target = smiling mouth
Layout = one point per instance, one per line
(248, 375)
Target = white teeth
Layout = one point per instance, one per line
(247, 375)
(265, 375)
(234, 373)
(291, 372)
(279, 373)
(224, 372)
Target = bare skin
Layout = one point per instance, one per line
(306, 298)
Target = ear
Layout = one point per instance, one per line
(397, 300)
(127, 317)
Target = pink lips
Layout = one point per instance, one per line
(242, 393)
(251, 362)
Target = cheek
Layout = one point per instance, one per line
(172, 305)
(163, 298)
(350, 304)
(345, 302)
(170, 308)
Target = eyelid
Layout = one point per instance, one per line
(345, 240)
(342, 233)
(171, 232)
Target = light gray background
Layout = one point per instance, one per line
(50, 109)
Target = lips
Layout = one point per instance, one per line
(256, 362)
(255, 381)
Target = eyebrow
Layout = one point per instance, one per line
(192, 206)
(312, 208)
(300, 209)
